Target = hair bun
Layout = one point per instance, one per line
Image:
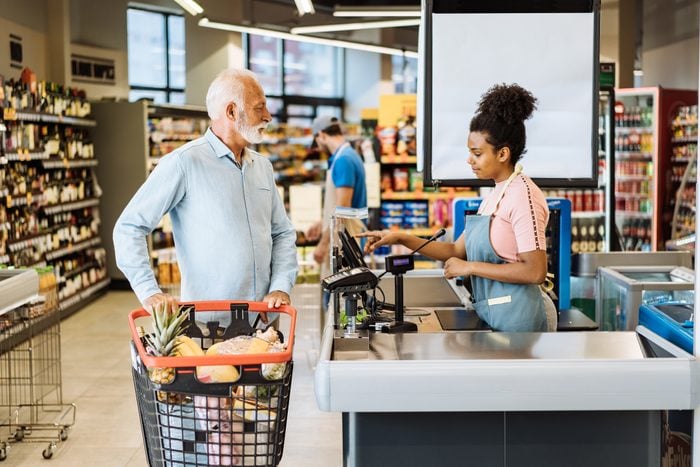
(508, 102)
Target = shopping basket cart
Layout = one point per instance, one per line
(192, 423)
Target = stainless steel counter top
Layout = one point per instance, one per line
(504, 345)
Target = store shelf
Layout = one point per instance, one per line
(68, 163)
(636, 155)
(632, 195)
(25, 116)
(685, 139)
(80, 299)
(21, 156)
(634, 129)
(84, 245)
(633, 177)
(415, 195)
(587, 214)
(634, 214)
(86, 203)
(399, 160)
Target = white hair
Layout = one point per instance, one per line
(228, 86)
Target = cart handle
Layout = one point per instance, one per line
(151, 361)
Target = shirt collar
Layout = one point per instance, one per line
(221, 150)
(337, 151)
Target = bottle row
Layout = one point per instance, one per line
(633, 117)
(47, 187)
(686, 196)
(636, 234)
(687, 115)
(635, 187)
(678, 171)
(51, 139)
(638, 204)
(683, 152)
(92, 270)
(627, 168)
(28, 236)
(634, 142)
(28, 94)
(401, 179)
(587, 235)
(581, 200)
(166, 268)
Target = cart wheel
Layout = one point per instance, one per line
(48, 452)
(19, 434)
(63, 434)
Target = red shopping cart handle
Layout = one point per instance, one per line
(238, 359)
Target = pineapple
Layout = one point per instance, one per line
(167, 327)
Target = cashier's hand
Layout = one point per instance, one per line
(456, 267)
(315, 231)
(160, 299)
(377, 238)
(274, 299)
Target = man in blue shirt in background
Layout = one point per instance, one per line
(233, 238)
(345, 183)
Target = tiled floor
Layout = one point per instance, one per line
(97, 378)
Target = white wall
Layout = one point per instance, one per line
(673, 66)
(120, 89)
(33, 49)
(208, 52)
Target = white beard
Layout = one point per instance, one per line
(251, 133)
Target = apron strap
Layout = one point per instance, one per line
(518, 170)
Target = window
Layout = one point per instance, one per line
(301, 80)
(404, 74)
(156, 44)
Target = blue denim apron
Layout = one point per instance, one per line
(504, 306)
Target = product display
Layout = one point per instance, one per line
(50, 212)
(684, 158)
(644, 154)
(126, 128)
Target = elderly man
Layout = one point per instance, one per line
(232, 235)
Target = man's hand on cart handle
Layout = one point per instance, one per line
(160, 298)
(275, 299)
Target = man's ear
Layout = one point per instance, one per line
(231, 111)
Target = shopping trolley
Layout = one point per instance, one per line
(192, 423)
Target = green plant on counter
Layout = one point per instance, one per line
(361, 314)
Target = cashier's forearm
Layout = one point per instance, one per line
(440, 251)
(514, 273)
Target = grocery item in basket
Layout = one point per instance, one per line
(167, 327)
(217, 373)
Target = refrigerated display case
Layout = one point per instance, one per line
(643, 141)
(623, 289)
(684, 154)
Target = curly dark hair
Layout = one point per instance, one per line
(501, 114)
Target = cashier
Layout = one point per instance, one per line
(503, 248)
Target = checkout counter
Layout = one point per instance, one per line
(478, 398)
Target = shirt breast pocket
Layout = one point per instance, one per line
(263, 197)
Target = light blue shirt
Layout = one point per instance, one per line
(232, 235)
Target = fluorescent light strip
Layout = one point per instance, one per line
(397, 23)
(204, 22)
(355, 12)
(191, 6)
(305, 6)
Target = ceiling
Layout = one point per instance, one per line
(283, 15)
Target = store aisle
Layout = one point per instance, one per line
(97, 378)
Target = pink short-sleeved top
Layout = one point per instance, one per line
(521, 219)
